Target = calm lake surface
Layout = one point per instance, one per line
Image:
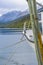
(15, 50)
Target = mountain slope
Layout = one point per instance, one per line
(13, 15)
(18, 23)
(9, 16)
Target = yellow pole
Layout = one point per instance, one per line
(36, 31)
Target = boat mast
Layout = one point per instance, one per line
(36, 31)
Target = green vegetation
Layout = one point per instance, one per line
(18, 23)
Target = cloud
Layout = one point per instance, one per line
(9, 5)
(4, 10)
(40, 1)
(16, 4)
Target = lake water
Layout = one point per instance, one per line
(15, 50)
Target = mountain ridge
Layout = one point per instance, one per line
(13, 15)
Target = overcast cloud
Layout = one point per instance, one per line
(16, 4)
(7, 5)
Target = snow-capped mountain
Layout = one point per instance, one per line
(13, 15)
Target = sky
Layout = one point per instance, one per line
(9, 5)
(13, 4)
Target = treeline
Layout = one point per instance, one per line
(18, 23)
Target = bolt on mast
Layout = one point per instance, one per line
(36, 31)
